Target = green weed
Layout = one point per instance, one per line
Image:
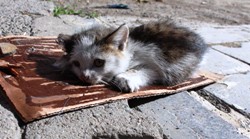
(92, 15)
(65, 11)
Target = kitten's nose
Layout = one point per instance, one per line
(85, 78)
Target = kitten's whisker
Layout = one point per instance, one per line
(104, 82)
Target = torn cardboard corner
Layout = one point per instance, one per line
(37, 89)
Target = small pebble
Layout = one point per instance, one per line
(7, 48)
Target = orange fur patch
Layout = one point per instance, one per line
(109, 48)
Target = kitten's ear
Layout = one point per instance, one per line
(119, 37)
(66, 41)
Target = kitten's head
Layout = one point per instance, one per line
(95, 55)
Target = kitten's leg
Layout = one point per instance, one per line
(132, 80)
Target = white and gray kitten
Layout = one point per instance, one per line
(128, 59)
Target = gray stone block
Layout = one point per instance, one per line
(15, 24)
(234, 90)
(28, 7)
(114, 121)
(15, 15)
(223, 34)
(9, 128)
(79, 23)
(219, 63)
(241, 53)
(119, 20)
(183, 117)
(50, 26)
(67, 24)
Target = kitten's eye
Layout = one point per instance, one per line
(99, 62)
(76, 63)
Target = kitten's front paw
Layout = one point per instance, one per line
(124, 85)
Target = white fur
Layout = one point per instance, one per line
(138, 78)
(86, 41)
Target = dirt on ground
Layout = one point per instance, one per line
(226, 12)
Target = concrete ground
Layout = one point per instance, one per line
(220, 110)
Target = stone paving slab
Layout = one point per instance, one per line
(9, 128)
(67, 24)
(29, 7)
(219, 63)
(16, 15)
(181, 116)
(225, 34)
(14, 24)
(241, 53)
(234, 90)
(113, 121)
(128, 20)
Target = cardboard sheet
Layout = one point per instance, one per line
(37, 89)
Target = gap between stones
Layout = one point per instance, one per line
(219, 103)
(231, 56)
(239, 121)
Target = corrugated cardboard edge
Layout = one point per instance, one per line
(27, 116)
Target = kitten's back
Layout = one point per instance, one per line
(168, 36)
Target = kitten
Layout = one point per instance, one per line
(128, 59)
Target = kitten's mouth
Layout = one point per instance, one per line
(86, 81)
(89, 82)
(92, 81)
